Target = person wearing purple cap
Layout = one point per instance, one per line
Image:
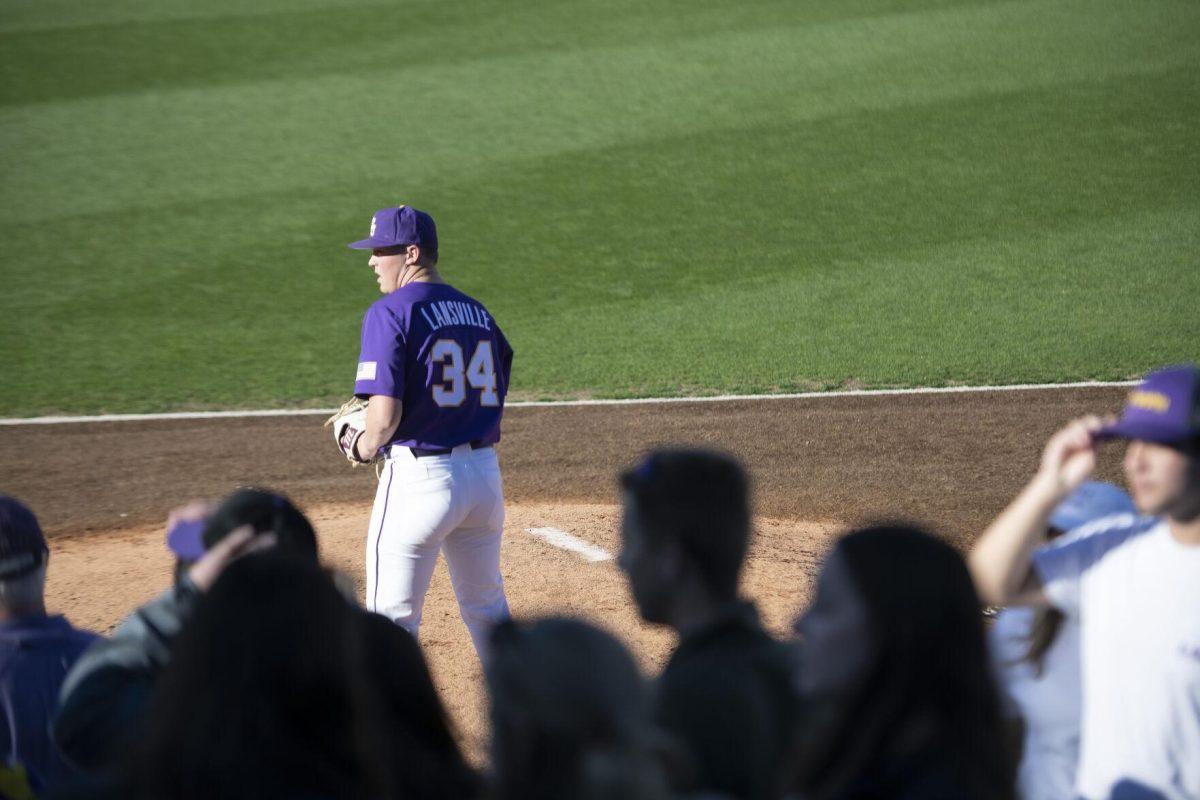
(434, 367)
(36, 650)
(1132, 582)
(1035, 657)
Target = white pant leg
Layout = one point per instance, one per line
(375, 528)
(473, 551)
(415, 507)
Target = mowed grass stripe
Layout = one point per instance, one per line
(350, 38)
(1092, 310)
(909, 177)
(853, 222)
(161, 147)
(776, 321)
(24, 16)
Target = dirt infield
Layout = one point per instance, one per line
(952, 461)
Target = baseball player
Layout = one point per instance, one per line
(434, 369)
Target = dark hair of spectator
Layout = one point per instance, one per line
(570, 716)
(266, 694)
(1191, 447)
(929, 700)
(700, 500)
(264, 511)
(1047, 622)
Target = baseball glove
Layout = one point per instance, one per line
(348, 424)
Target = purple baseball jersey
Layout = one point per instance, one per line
(442, 355)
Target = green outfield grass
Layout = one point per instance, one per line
(653, 197)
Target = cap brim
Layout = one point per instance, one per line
(1144, 431)
(186, 539)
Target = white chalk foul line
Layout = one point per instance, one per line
(566, 541)
(635, 401)
(270, 412)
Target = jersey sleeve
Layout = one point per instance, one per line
(381, 357)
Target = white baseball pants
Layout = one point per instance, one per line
(451, 502)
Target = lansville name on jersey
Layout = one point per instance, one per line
(452, 312)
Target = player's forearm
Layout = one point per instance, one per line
(383, 417)
(369, 443)
(1002, 560)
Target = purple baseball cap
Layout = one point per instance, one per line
(401, 225)
(1164, 408)
(1091, 501)
(22, 546)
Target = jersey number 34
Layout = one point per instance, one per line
(480, 374)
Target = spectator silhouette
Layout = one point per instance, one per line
(36, 650)
(103, 699)
(570, 716)
(726, 692)
(269, 694)
(427, 760)
(893, 662)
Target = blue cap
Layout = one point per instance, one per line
(400, 226)
(1091, 501)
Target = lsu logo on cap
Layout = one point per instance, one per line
(372, 233)
(1150, 401)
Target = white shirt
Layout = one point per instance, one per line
(1136, 593)
(1049, 702)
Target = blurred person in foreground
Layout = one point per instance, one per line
(103, 700)
(1133, 583)
(726, 692)
(893, 665)
(1035, 656)
(36, 650)
(274, 690)
(570, 716)
(428, 761)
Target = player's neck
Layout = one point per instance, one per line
(1186, 532)
(421, 274)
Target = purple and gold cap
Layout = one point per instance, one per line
(397, 226)
(22, 545)
(1164, 408)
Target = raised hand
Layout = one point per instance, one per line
(239, 542)
(1070, 455)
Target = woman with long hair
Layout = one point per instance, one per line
(271, 692)
(894, 669)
